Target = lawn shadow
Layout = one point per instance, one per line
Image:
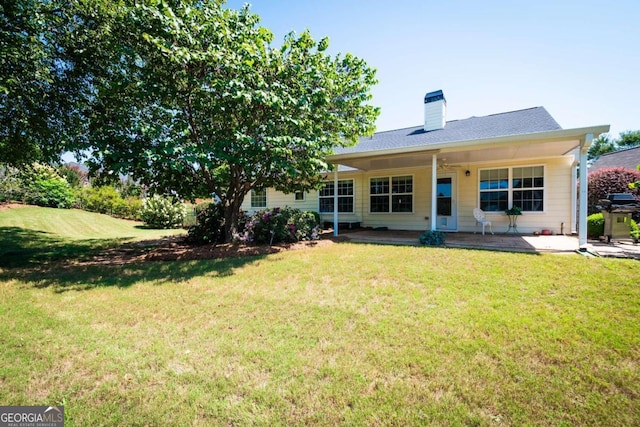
(41, 260)
(22, 248)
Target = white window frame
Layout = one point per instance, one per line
(391, 194)
(352, 196)
(254, 195)
(510, 189)
(295, 196)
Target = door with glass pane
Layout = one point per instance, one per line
(446, 203)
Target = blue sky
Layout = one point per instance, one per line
(580, 60)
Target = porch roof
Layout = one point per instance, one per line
(522, 134)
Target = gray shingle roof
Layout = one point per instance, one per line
(520, 122)
(629, 158)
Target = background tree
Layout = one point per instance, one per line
(629, 139)
(47, 47)
(196, 101)
(605, 144)
(599, 146)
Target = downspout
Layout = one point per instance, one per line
(335, 201)
(434, 189)
(582, 220)
(574, 197)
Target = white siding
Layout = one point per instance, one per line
(279, 199)
(557, 199)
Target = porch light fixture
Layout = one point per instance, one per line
(467, 173)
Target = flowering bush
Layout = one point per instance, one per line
(280, 225)
(209, 226)
(163, 212)
(42, 186)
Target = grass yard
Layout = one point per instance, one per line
(35, 236)
(342, 334)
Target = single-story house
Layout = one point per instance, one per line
(628, 158)
(432, 176)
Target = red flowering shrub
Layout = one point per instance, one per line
(610, 180)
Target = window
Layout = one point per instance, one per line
(345, 196)
(298, 196)
(391, 194)
(259, 198)
(494, 194)
(505, 187)
(528, 188)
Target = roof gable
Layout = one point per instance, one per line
(519, 122)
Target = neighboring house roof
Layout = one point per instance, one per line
(628, 158)
(519, 122)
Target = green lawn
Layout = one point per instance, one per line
(33, 235)
(341, 334)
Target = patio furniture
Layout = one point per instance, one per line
(513, 215)
(478, 214)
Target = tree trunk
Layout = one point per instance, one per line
(231, 217)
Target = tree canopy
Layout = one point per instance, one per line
(629, 139)
(44, 85)
(605, 144)
(189, 97)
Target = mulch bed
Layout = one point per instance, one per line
(175, 248)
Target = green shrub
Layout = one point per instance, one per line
(209, 227)
(432, 238)
(99, 199)
(10, 184)
(42, 186)
(280, 225)
(163, 212)
(595, 225)
(108, 200)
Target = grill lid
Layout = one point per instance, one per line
(619, 202)
(621, 198)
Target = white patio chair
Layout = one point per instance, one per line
(478, 214)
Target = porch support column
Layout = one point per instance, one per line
(574, 197)
(582, 220)
(434, 190)
(335, 201)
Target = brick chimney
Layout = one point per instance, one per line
(435, 107)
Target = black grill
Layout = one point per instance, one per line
(619, 202)
(617, 210)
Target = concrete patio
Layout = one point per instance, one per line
(498, 242)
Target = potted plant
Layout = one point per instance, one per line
(513, 214)
(514, 211)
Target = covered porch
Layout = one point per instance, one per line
(459, 164)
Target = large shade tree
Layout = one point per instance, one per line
(45, 50)
(196, 100)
